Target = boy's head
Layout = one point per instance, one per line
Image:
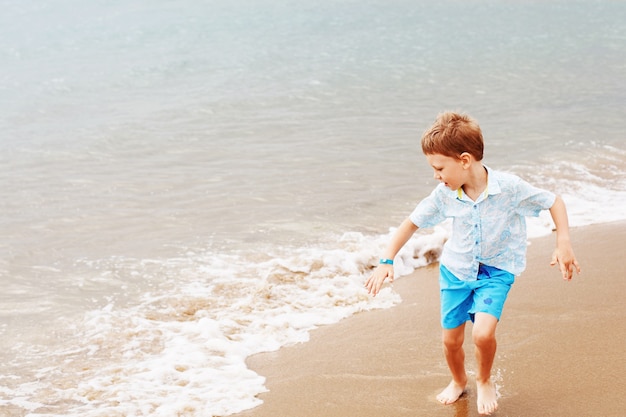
(453, 134)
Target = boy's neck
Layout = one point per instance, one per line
(476, 182)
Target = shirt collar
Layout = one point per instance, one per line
(493, 187)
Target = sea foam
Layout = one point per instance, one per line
(182, 349)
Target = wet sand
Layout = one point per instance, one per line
(561, 347)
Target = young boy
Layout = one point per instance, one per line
(486, 250)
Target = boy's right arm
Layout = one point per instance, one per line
(384, 271)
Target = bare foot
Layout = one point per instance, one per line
(487, 398)
(451, 393)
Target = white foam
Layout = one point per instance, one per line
(182, 348)
(594, 191)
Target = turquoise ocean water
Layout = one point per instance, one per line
(187, 183)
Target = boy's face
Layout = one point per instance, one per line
(448, 170)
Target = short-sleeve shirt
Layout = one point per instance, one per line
(490, 230)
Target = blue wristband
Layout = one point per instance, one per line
(386, 261)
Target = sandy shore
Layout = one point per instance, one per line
(561, 352)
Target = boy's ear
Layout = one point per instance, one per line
(466, 159)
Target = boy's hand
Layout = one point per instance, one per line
(375, 281)
(566, 260)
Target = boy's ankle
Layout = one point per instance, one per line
(460, 382)
(481, 380)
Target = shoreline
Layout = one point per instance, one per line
(560, 347)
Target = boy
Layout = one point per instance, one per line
(486, 250)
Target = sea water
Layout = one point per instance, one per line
(188, 183)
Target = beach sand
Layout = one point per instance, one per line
(561, 347)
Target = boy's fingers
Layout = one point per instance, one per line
(375, 282)
(568, 271)
(553, 261)
(373, 285)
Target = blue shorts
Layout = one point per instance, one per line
(460, 300)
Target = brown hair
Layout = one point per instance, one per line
(452, 134)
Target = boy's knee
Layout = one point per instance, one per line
(484, 330)
(452, 341)
(482, 337)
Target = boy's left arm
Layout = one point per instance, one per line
(563, 254)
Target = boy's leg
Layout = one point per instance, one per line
(456, 300)
(455, 357)
(489, 298)
(484, 335)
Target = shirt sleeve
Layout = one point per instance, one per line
(532, 200)
(429, 212)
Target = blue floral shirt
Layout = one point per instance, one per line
(490, 230)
